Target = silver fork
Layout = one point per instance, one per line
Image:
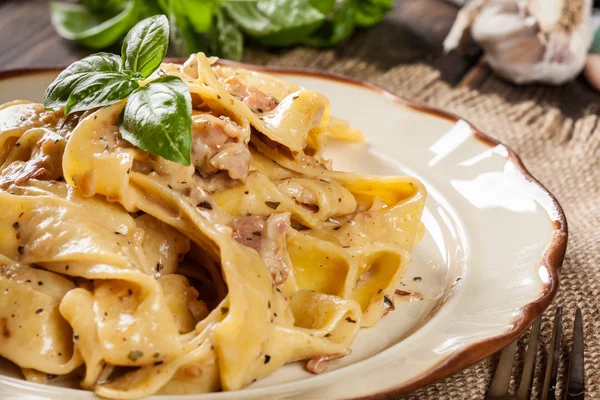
(498, 389)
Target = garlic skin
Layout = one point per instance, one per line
(528, 41)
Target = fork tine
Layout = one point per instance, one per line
(575, 388)
(501, 379)
(549, 388)
(530, 357)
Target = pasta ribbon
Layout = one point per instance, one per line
(136, 275)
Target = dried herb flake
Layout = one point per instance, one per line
(135, 355)
(273, 204)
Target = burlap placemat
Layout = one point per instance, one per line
(556, 131)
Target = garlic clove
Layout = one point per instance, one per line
(547, 13)
(506, 36)
(528, 40)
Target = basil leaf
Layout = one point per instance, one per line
(227, 40)
(200, 14)
(325, 6)
(104, 5)
(338, 28)
(184, 39)
(157, 118)
(145, 46)
(276, 22)
(100, 90)
(95, 30)
(371, 12)
(59, 91)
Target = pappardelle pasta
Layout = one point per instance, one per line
(136, 275)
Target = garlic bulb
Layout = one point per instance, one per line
(528, 40)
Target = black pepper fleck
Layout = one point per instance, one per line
(16, 225)
(350, 320)
(159, 266)
(40, 283)
(21, 250)
(205, 204)
(267, 358)
(135, 355)
(157, 363)
(39, 310)
(417, 279)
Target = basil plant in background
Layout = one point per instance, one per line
(220, 27)
(157, 114)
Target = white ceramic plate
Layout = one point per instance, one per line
(488, 263)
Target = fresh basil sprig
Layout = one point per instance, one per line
(221, 26)
(100, 90)
(157, 118)
(157, 115)
(145, 46)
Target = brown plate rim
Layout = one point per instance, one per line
(552, 259)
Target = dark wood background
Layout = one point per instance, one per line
(413, 32)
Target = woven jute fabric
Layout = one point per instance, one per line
(556, 132)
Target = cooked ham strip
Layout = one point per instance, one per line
(268, 237)
(233, 158)
(259, 102)
(320, 364)
(44, 161)
(274, 246)
(217, 144)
